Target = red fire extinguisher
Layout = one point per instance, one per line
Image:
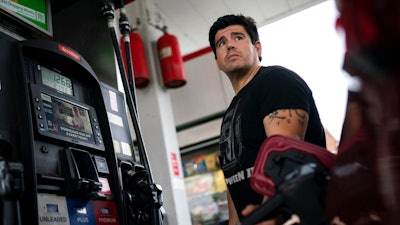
(171, 61)
(138, 56)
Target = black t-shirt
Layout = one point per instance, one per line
(242, 129)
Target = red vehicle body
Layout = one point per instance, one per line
(370, 148)
(363, 185)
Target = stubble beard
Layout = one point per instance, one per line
(238, 71)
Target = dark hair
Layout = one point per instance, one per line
(247, 22)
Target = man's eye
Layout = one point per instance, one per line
(220, 44)
(238, 38)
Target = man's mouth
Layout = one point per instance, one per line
(231, 56)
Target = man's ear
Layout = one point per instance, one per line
(257, 44)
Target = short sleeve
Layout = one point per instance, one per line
(281, 88)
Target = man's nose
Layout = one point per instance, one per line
(230, 44)
(230, 47)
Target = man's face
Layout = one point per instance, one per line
(234, 50)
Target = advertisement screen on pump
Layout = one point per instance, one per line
(67, 119)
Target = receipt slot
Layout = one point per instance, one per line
(65, 144)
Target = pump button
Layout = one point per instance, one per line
(101, 164)
(38, 108)
(40, 116)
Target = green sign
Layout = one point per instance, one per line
(34, 11)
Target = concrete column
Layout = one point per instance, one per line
(157, 123)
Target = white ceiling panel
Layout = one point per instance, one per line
(242, 7)
(299, 3)
(272, 10)
(190, 20)
(210, 9)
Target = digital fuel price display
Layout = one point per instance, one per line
(57, 81)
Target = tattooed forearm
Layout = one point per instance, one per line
(287, 115)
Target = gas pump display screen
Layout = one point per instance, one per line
(67, 119)
(57, 81)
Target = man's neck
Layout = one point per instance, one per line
(239, 81)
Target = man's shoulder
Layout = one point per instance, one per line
(275, 77)
(276, 68)
(277, 73)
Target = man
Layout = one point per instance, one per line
(268, 101)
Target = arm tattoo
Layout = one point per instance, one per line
(274, 116)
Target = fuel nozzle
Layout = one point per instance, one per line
(134, 175)
(302, 193)
(144, 197)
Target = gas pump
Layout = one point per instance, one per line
(70, 171)
(66, 152)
